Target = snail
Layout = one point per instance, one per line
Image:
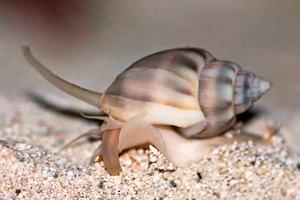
(179, 100)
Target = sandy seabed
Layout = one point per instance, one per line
(31, 167)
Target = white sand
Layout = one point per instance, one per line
(29, 168)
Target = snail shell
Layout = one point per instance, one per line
(184, 88)
(165, 98)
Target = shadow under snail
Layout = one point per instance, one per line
(179, 100)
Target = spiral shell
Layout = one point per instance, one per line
(169, 99)
(182, 88)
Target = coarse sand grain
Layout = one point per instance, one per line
(31, 167)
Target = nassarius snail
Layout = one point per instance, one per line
(179, 100)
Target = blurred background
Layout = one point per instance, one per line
(91, 42)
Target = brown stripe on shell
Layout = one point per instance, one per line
(169, 77)
(242, 91)
(218, 73)
(208, 57)
(165, 97)
(165, 81)
(243, 79)
(157, 78)
(216, 82)
(216, 95)
(155, 85)
(181, 62)
(210, 92)
(241, 96)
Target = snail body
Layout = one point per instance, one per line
(179, 100)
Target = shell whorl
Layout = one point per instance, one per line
(226, 90)
(248, 88)
(164, 85)
(216, 95)
(183, 87)
(187, 88)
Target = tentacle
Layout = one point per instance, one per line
(101, 118)
(133, 133)
(109, 150)
(97, 153)
(92, 132)
(91, 97)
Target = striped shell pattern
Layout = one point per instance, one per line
(176, 100)
(183, 88)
